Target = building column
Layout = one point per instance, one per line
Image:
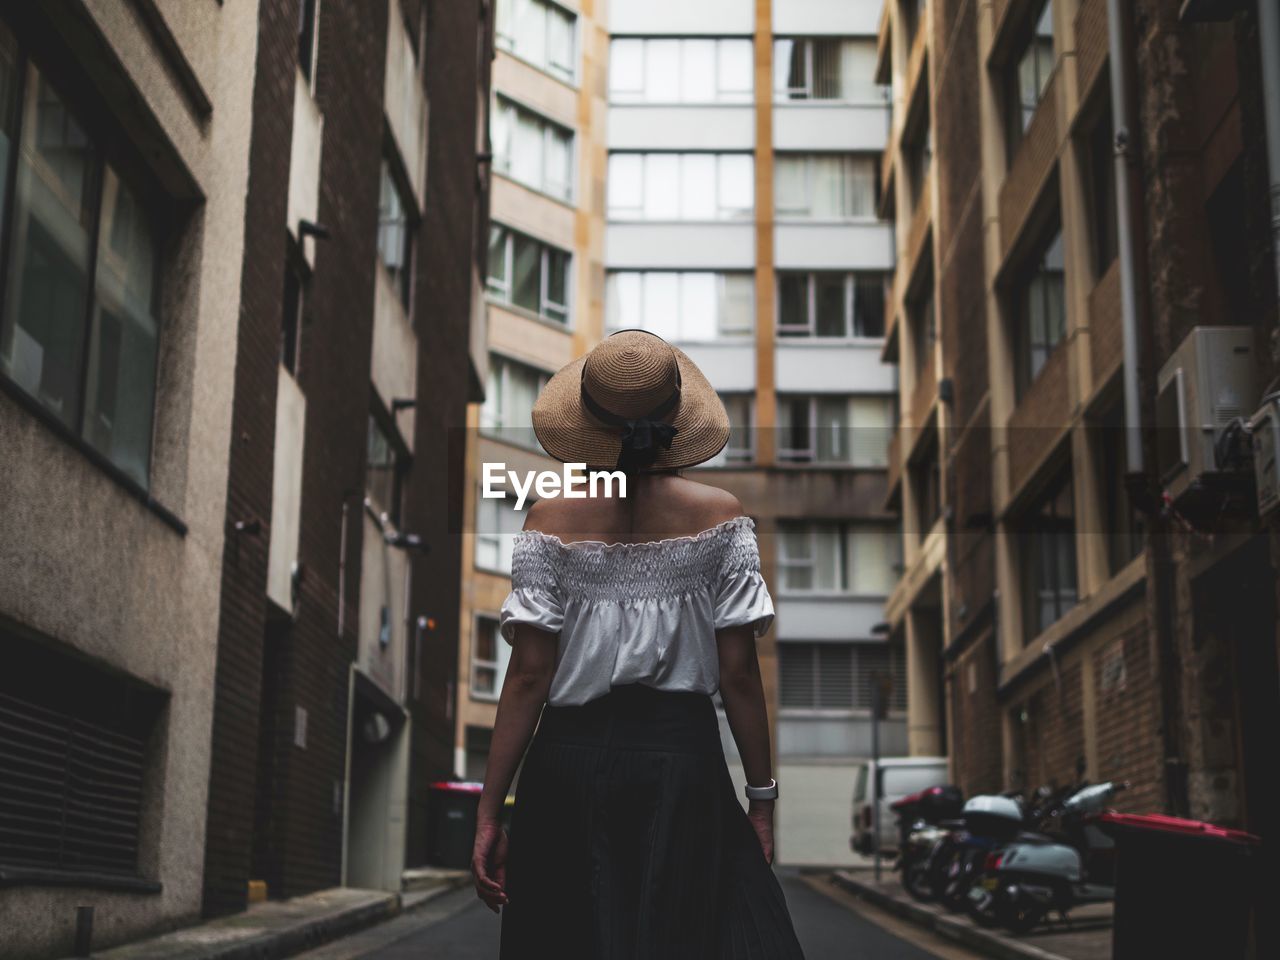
(924, 652)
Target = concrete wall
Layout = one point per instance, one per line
(85, 563)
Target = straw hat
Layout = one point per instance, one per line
(634, 402)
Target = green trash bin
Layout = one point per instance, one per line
(451, 822)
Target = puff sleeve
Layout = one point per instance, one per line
(535, 597)
(742, 597)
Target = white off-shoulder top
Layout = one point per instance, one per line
(637, 612)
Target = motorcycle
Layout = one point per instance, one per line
(1073, 864)
(919, 815)
(987, 822)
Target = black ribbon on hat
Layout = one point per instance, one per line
(642, 437)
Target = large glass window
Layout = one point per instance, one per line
(383, 469)
(508, 403)
(826, 186)
(644, 70)
(81, 260)
(540, 32)
(497, 523)
(831, 304)
(838, 558)
(681, 186)
(826, 68)
(851, 430)
(532, 150)
(395, 231)
(1028, 76)
(489, 659)
(687, 306)
(839, 676)
(1041, 305)
(1049, 556)
(529, 274)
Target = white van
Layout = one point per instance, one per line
(899, 776)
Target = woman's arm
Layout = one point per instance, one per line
(524, 691)
(743, 696)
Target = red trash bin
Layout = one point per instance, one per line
(451, 822)
(1184, 888)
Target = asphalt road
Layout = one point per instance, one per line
(456, 926)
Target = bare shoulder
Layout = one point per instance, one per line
(707, 504)
(546, 515)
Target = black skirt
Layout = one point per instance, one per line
(627, 840)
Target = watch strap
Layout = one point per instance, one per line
(769, 792)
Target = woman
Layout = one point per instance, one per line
(625, 617)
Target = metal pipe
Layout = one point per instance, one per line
(1124, 235)
(1269, 44)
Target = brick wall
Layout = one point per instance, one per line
(1040, 418)
(976, 743)
(241, 625)
(1127, 717)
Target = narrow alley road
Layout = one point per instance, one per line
(458, 927)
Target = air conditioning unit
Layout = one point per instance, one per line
(1208, 382)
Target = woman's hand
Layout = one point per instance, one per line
(489, 864)
(760, 813)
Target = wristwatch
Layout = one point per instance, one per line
(763, 793)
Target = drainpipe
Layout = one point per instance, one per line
(1269, 43)
(1124, 235)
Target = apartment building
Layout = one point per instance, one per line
(544, 297)
(333, 684)
(725, 190)
(1069, 611)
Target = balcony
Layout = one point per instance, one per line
(639, 245)
(853, 127)
(824, 366)
(682, 127)
(834, 617)
(1032, 168)
(830, 245)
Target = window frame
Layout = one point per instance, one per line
(498, 665)
(1017, 120)
(724, 334)
(391, 171)
(131, 174)
(1032, 526)
(844, 532)
(548, 129)
(724, 96)
(807, 331)
(724, 213)
(502, 292)
(381, 421)
(507, 42)
(501, 366)
(1034, 272)
(809, 456)
(786, 95)
(804, 214)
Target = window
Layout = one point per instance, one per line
(75, 759)
(913, 14)
(923, 319)
(681, 186)
(307, 11)
(539, 32)
(839, 676)
(925, 477)
(831, 304)
(688, 306)
(79, 330)
(826, 68)
(1040, 306)
(919, 156)
(829, 557)
(529, 274)
(1123, 523)
(508, 403)
(853, 430)
(532, 150)
(497, 523)
(740, 446)
(384, 469)
(1102, 183)
(292, 307)
(1028, 77)
(826, 186)
(489, 658)
(395, 231)
(680, 70)
(1048, 534)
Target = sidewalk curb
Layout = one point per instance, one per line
(412, 901)
(953, 928)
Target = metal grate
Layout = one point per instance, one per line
(838, 676)
(70, 792)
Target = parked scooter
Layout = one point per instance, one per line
(987, 822)
(1024, 881)
(919, 815)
